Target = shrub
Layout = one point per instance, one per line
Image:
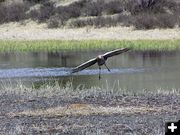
(100, 21)
(143, 14)
(113, 7)
(152, 6)
(35, 1)
(34, 12)
(2, 1)
(46, 11)
(150, 21)
(93, 8)
(167, 21)
(54, 22)
(13, 12)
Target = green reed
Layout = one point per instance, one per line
(58, 45)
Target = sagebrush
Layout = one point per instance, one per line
(142, 14)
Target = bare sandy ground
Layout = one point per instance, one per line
(32, 31)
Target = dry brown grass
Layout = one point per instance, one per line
(87, 109)
(34, 31)
(68, 110)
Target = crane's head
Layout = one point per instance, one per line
(100, 57)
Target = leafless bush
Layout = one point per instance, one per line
(153, 6)
(46, 11)
(100, 7)
(113, 7)
(13, 12)
(100, 21)
(35, 1)
(167, 21)
(93, 8)
(89, 21)
(2, 0)
(150, 21)
(54, 22)
(33, 12)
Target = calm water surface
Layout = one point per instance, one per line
(134, 71)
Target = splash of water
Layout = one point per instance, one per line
(58, 72)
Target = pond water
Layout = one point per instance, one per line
(133, 70)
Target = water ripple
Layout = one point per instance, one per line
(50, 72)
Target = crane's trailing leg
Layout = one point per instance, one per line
(107, 67)
(99, 72)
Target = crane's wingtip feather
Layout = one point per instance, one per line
(125, 49)
(73, 70)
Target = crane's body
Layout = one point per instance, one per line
(100, 60)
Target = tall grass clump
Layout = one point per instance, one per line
(55, 88)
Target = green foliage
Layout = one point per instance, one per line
(57, 45)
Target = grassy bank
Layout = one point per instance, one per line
(57, 45)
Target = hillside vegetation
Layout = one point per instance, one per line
(142, 14)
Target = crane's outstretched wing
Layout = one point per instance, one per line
(84, 65)
(115, 52)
